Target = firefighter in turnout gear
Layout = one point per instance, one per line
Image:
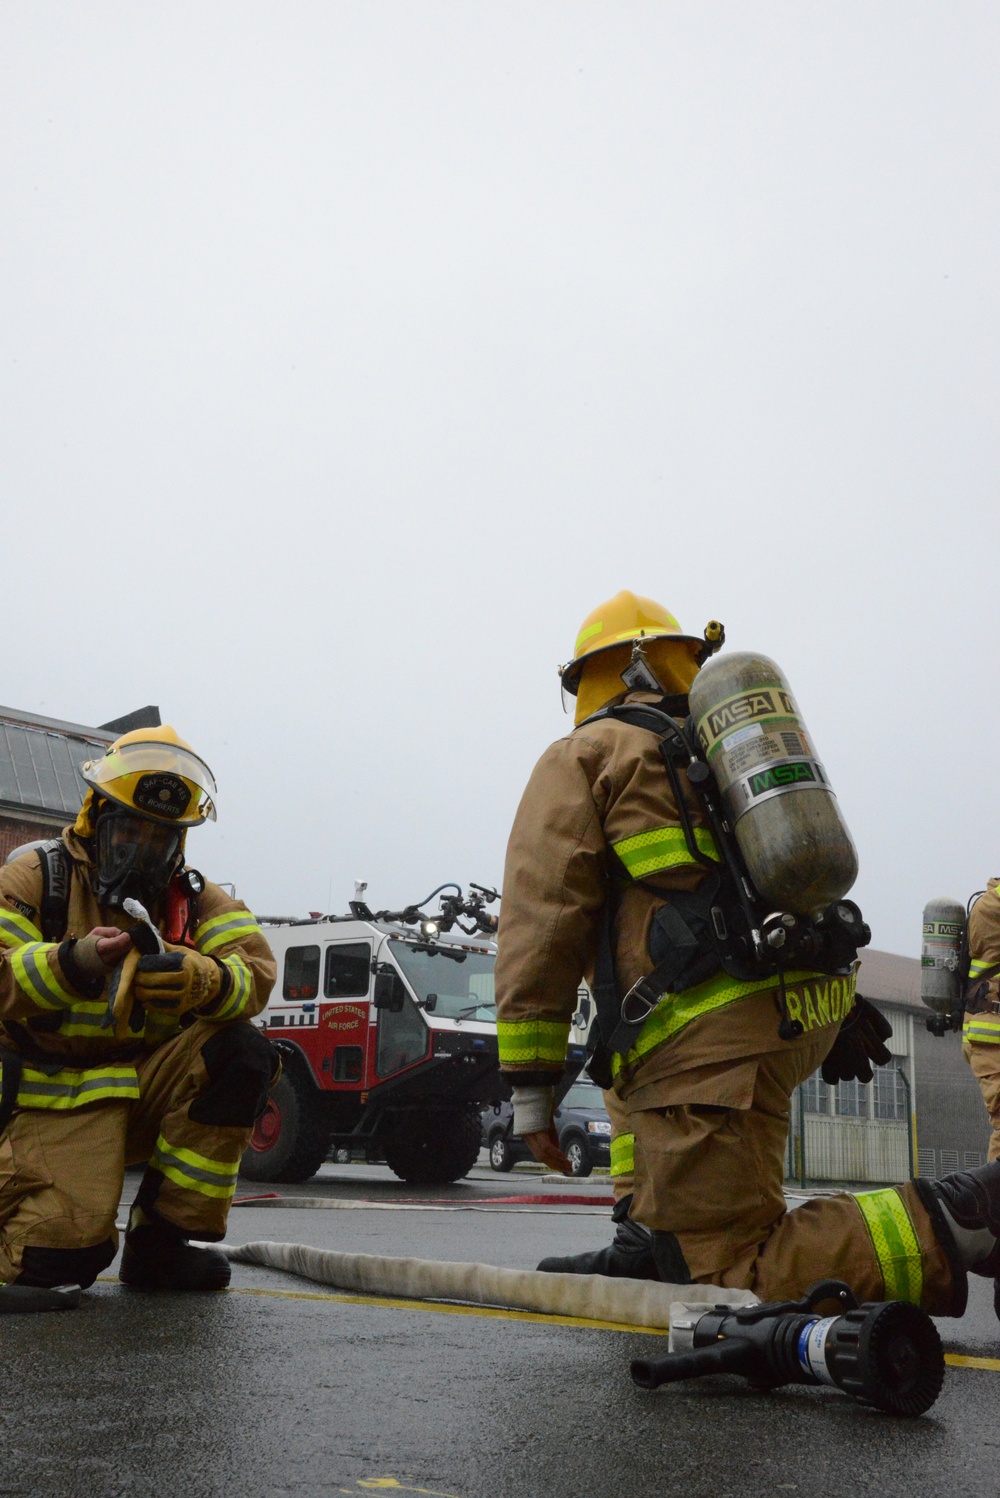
(981, 1026)
(598, 845)
(126, 1043)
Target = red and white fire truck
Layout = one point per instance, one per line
(387, 1031)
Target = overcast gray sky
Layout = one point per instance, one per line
(353, 352)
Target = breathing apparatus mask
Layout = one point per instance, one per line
(134, 857)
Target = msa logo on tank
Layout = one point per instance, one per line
(782, 775)
(748, 707)
(162, 793)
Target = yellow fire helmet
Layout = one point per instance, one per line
(154, 773)
(616, 626)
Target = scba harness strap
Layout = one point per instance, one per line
(716, 928)
(689, 937)
(56, 874)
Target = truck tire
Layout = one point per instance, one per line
(433, 1148)
(291, 1139)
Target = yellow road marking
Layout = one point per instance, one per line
(953, 1359)
(452, 1310)
(432, 1305)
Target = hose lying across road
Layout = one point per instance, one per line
(591, 1297)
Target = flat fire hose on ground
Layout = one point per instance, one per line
(587, 1297)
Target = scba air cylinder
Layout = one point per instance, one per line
(941, 954)
(777, 798)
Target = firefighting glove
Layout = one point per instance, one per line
(860, 1042)
(533, 1108)
(177, 980)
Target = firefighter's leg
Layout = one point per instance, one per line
(199, 1095)
(61, 1174)
(709, 1182)
(985, 1062)
(630, 1254)
(622, 1146)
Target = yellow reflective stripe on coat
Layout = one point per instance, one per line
(240, 992)
(528, 1040)
(76, 1087)
(979, 965)
(983, 1028)
(623, 1154)
(813, 999)
(86, 1017)
(35, 977)
(194, 1172)
(15, 928)
(229, 926)
(661, 848)
(896, 1245)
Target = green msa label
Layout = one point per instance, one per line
(779, 776)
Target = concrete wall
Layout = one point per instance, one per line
(952, 1126)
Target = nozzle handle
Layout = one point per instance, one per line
(729, 1356)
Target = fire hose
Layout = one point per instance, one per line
(590, 1297)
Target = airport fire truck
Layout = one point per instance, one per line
(386, 1026)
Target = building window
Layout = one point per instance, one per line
(852, 1099)
(889, 1091)
(816, 1094)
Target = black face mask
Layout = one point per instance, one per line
(134, 858)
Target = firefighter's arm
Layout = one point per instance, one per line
(228, 936)
(553, 897)
(38, 976)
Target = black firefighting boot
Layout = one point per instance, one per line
(157, 1256)
(969, 1203)
(628, 1256)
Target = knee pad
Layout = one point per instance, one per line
(46, 1267)
(241, 1065)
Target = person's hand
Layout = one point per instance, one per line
(100, 950)
(860, 1041)
(544, 1145)
(176, 980)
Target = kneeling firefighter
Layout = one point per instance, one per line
(688, 858)
(112, 1058)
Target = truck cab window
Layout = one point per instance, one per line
(348, 970)
(301, 980)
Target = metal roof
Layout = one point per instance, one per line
(890, 978)
(40, 761)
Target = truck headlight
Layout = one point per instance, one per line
(596, 1126)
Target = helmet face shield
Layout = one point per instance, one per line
(134, 857)
(167, 782)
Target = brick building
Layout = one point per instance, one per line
(40, 783)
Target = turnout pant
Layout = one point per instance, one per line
(985, 1062)
(622, 1146)
(709, 1165)
(62, 1171)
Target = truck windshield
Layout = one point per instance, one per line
(464, 987)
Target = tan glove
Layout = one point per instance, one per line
(176, 980)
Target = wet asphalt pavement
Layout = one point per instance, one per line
(292, 1392)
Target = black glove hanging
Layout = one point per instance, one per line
(860, 1042)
